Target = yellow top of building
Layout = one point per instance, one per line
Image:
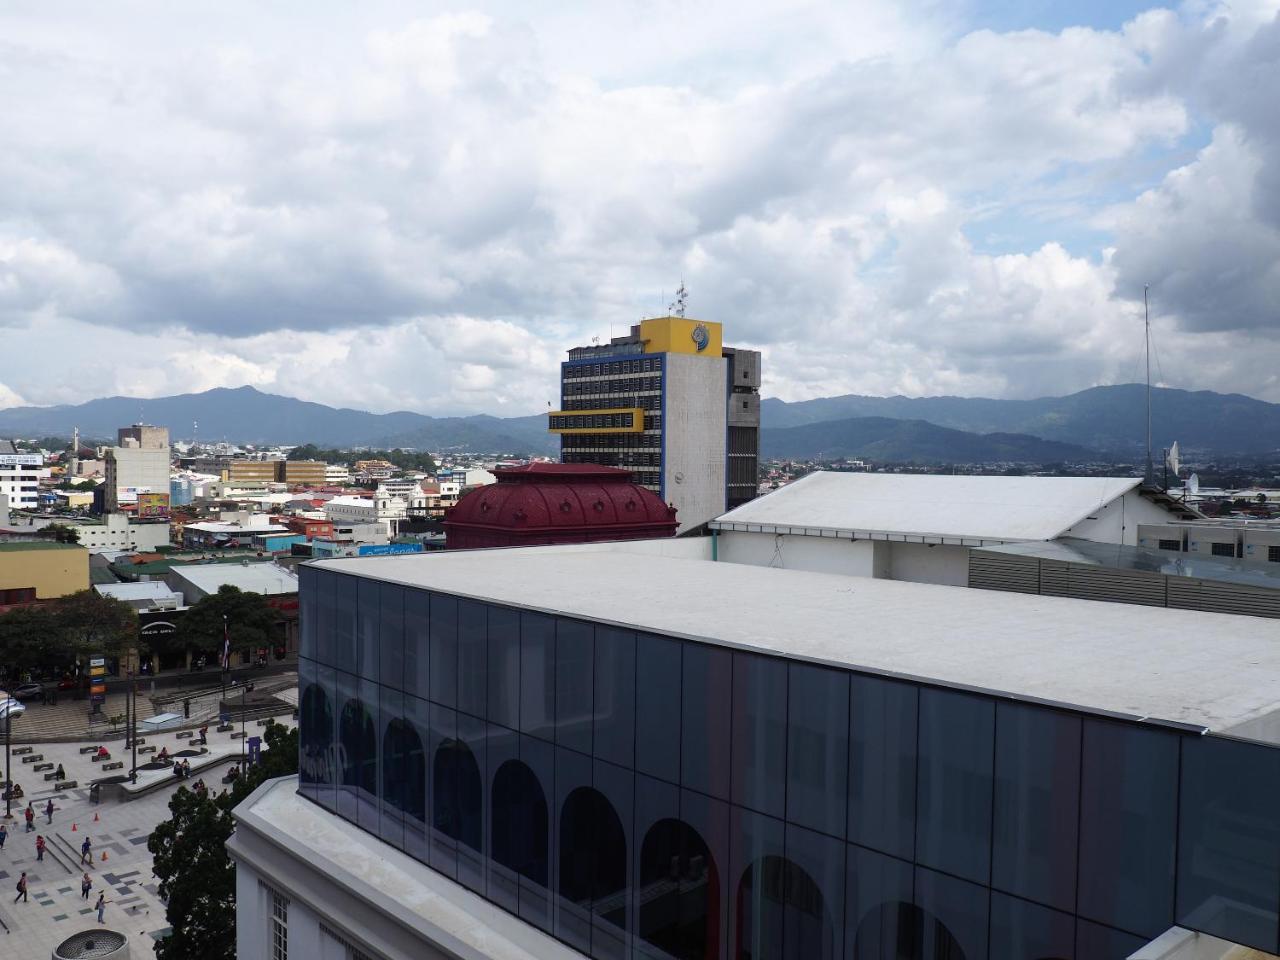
(682, 335)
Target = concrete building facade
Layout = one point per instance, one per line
(41, 570)
(139, 463)
(20, 474)
(671, 404)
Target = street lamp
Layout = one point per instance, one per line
(9, 708)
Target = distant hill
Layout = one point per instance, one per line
(910, 441)
(1110, 419)
(247, 415)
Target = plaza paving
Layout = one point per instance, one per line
(55, 910)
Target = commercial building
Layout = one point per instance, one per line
(198, 580)
(144, 595)
(921, 527)
(381, 509)
(633, 750)
(547, 503)
(116, 531)
(139, 463)
(232, 529)
(41, 570)
(671, 404)
(337, 473)
(20, 474)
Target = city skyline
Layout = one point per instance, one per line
(394, 208)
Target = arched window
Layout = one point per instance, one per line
(359, 748)
(593, 856)
(905, 932)
(679, 892)
(315, 723)
(777, 898)
(519, 822)
(456, 810)
(404, 769)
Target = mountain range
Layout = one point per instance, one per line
(1102, 420)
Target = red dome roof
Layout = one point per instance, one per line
(541, 503)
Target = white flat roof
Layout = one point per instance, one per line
(265, 578)
(941, 508)
(1205, 669)
(145, 590)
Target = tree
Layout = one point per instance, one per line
(197, 878)
(93, 624)
(250, 621)
(31, 641)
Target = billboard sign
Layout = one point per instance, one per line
(153, 505)
(21, 460)
(388, 549)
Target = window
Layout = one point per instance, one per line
(1224, 549)
(744, 404)
(1273, 554)
(1175, 545)
(279, 927)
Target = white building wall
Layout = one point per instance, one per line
(855, 558)
(945, 563)
(20, 476)
(693, 426)
(144, 468)
(1117, 521)
(117, 533)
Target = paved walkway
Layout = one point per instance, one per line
(55, 909)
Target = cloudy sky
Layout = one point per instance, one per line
(409, 207)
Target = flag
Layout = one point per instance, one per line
(226, 645)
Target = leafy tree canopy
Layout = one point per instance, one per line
(250, 621)
(50, 637)
(197, 877)
(403, 459)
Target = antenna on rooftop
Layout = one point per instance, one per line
(677, 307)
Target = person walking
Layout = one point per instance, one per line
(48, 810)
(85, 886)
(31, 817)
(86, 851)
(102, 907)
(39, 848)
(22, 888)
(4, 835)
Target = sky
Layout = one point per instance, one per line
(404, 206)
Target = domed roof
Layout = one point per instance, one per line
(558, 503)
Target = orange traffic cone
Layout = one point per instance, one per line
(73, 828)
(104, 855)
(95, 818)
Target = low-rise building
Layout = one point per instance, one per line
(232, 529)
(144, 595)
(198, 580)
(116, 531)
(41, 570)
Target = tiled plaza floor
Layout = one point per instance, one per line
(55, 909)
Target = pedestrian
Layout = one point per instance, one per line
(22, 888)
(48, 810)
(39, 848)
(85, 885)
(4, 835)
(31, 817)
(86, 851)
(102, 907)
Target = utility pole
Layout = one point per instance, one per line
(8, 764)
(1146, 319)
(133, 728)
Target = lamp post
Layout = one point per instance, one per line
(132, 698)
(8, 767)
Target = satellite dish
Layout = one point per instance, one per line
(1193, 484)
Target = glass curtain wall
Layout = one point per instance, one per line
(641, 796)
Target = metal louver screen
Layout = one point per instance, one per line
(994, 572)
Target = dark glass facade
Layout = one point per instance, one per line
(639, 796)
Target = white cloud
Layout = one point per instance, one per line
(386, 212)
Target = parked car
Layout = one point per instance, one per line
(68, 683)
(26, 691)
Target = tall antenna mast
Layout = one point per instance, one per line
(681, 301)
(1146, 319)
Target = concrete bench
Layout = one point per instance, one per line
(224, 727)
(237, 735)
(266, 722)
(32, 757)
(184, 734)
(97, 757)
(19, 751)
(42, 766)
(66, 785)
(88, 749)
(150, 749)
(51, 776)
(118, 765)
